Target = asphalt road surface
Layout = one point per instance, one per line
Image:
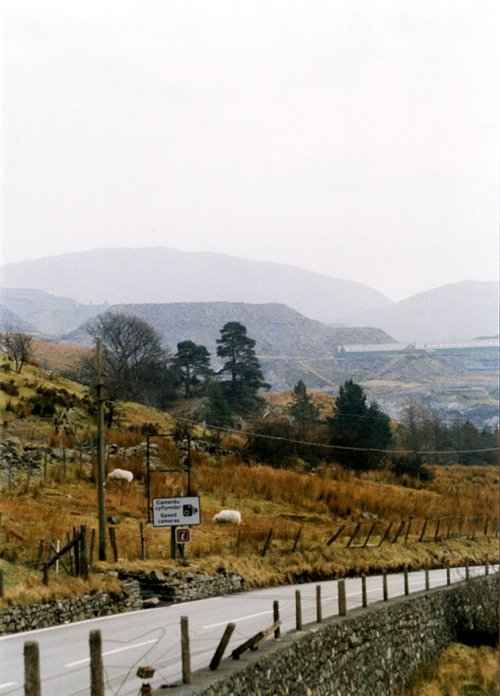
(152, 636)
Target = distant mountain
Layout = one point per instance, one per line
(277, 329)
(44, 313)
(9, 321)
(161, 275)
(456, 312)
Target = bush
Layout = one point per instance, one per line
(9, 388)
(411, 466)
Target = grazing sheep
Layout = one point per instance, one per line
(227, 517)
(121, 475)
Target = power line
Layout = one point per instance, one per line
(281, 438)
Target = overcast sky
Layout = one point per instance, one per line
(356, 138)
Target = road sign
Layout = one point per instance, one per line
(182, 535)
(174, 512)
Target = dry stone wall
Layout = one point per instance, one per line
(371, 651)
(25, 618)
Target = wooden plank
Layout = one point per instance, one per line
(253, 642)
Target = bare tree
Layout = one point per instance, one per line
(134, 364)
(18, 346)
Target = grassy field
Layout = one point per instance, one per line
(301, 510)
(460, 671)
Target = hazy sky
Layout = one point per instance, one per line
(356, 138)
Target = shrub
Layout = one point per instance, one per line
(9, 388)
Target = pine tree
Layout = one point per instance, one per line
(304, 412)
(359, 426)
(193, 362)
(242, 366)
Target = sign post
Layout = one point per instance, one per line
(177, 513)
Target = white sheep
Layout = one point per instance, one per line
(121, 475)
(227, 517)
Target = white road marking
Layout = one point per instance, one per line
(7, 684)
(86, 660)
(240, 618)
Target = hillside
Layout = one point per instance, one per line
(277, 329)
(41, 469)
(42, 312)
(167, 275)
(456, 312)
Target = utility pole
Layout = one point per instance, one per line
(101, 478)
(188, 464)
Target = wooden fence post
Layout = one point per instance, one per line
(370, 531)
(401, 527)
(112, 538)
(486, 522)
(32, 686)
(364, 595)
(335, 536)
(92, 547)
(406, 581)
(353, 535)
(186, 656)
(267, 543)
(216, 659)
(467, 572)
(486, 566)
(319, 613)
(296, 540)
(276, 619)
(342, 597)
(427, 582)
(46, 573)
(384, 585)
(298, 611)
(438, 525)
(84, 564)
(143, 542)
(423, 529)
(386, 534)
(96, 664)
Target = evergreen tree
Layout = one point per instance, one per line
(304, 412)
(242, 366)
(218, 411)
(357, 425)
(192, 362)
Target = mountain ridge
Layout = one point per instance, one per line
(164, 275)
(160, 275)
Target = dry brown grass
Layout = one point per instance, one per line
(459, 671)
(280, 500)
(283, 501)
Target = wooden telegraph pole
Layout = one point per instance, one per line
(101, 477)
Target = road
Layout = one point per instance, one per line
(152, 636)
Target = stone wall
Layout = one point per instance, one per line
(371, 651)
(169, 586)
(99, 603)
